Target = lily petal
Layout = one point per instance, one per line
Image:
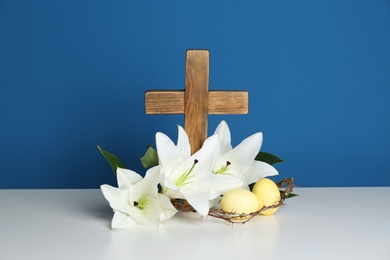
(199, 199)
(219, 184)
(150, 214)
(259, 170)
(207, 154)
(146, 192)
(167, 153)
(167, 209)
(148, 185)
(126, 178)
(242, 156)
(223, 132)
(183, 144)
(121, 220)
(166, 149)
(174, 193)
(117, 198)
(204, 157)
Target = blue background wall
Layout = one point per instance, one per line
(73, 76)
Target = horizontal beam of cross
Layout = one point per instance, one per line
(220, 102)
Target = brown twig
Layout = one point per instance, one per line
(182, 205)
(232, 217)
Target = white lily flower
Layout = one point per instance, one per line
(240, 161)
(187, 176)
(136, 200)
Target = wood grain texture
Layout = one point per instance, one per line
(228, 102)
(220, 102)
(196, 97)
(164, 102)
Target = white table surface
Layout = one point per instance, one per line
(322, 223)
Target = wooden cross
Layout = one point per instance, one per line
(196, 101)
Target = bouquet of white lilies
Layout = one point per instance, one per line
(177, 180)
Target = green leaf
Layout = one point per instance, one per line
(113, 160)
(291, 195)
(268, 158)
(150, 157)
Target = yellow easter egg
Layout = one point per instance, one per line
(239, 201)
(267, 192)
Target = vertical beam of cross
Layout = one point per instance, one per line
(196, 97)
(196, 101)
